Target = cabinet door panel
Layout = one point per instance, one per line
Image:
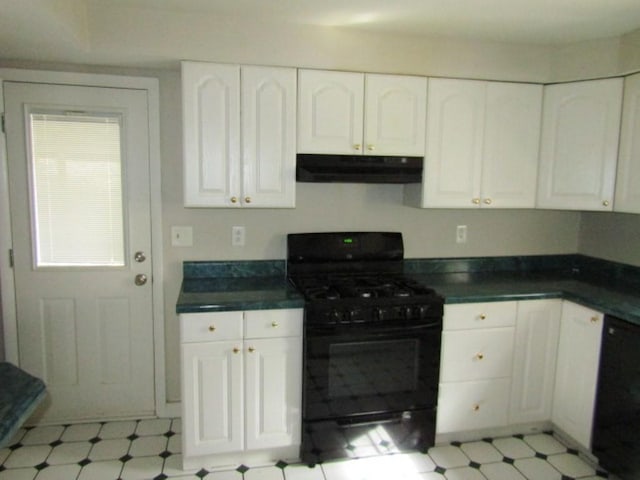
(273, 389)
(476, 354)
(210, 326)
(472, 405)
(212, 398)
(512, 136)
(534, 361)
(268, 140)
(465, 316)
(452, 170)
(330, 109)
(273, 323)
(211, 133)
(395, 115)
(577, 371)
(628, 178)
(579, 146)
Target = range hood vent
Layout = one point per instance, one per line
(358, 169)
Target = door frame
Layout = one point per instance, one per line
(7, 289)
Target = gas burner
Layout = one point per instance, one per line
(368, 288)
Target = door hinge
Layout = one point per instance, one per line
(11, 257)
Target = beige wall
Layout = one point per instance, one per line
(134, 38)
(612, 236)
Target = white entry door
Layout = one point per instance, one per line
(78, 161)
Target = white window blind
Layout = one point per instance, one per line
(76, 173)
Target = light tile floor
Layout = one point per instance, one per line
(150, 449)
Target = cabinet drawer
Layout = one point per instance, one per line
(480, 315)
(476, 354)
(472, 405)
(273, 323)
(210, 326)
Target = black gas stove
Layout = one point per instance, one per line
(371, 342)
(356, 278)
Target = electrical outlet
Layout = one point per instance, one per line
(461, 234)
(237, 236)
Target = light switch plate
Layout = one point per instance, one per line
(182, 236)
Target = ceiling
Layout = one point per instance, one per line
(523, 21)
(78, 30)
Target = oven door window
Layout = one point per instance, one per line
(363, 369)
(355, 376)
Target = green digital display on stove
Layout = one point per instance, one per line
(347, 241)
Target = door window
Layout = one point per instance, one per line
(76, 189)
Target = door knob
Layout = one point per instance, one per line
(140, 279)
(139, 257)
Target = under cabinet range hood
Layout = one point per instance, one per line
(358, 168)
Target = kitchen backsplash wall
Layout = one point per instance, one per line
(613, 236)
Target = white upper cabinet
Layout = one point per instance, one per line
(330, 112)
(511, 145)
(628, 178)
(268, 136)
(239, 137)
(395, 113)
(481, 146)
(579, 146)
(354, 113)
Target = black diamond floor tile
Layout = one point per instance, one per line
(285, 469)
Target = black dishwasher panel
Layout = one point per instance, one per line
(616, 431)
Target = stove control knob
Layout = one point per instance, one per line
(379, 314)
(422, 311)
(334, 317)
(355, 315)
(407, 312)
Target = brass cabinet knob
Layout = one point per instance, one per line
(476, 408)
(475, 201)
(371, 148)
(594, 319)
(357, 146)
(247, 199)
(480, 356)
(212, 328)
(487, 201)
(234, 199)
(482, 316)
(275, 324)
(236, 350)
(251, 349)
(605, 203)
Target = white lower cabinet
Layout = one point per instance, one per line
(475, 368)
(577, 372)
(515, 367)
(534, 361)
(241, 386)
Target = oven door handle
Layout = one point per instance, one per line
(373, 328)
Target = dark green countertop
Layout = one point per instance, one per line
(609, 288)
(237, 293)
(495, 287)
